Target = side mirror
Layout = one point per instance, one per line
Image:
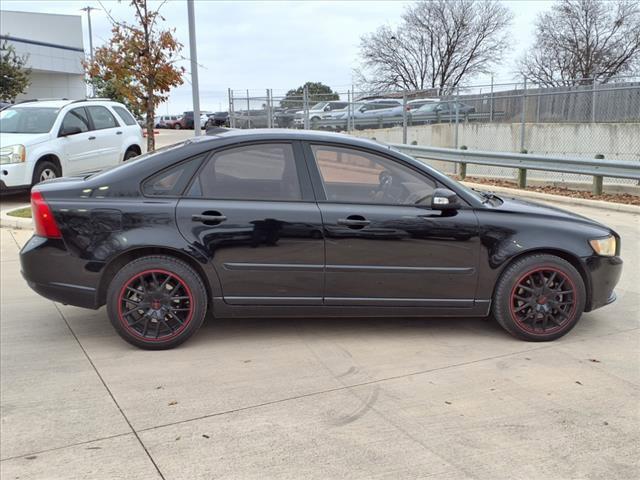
(445, 199)
(65, 132)
(327, 108)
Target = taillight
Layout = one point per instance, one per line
(45, 224)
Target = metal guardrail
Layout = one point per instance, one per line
(598, 168)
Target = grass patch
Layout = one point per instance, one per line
(24, 212)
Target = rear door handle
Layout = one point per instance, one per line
(209, 219)
(92, 138)
(354, 221)
(118, 132)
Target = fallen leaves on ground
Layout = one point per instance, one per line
(625, 198)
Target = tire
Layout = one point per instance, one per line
(539, 298)
(177, 126)
(45, 170)
(169, 314)
(129, 154)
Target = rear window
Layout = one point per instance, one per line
(124, 114)
(172, 181)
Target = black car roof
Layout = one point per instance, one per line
(257, 134)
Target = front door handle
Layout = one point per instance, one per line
(209, 218)
(119, 132)
(92, 138)
(354, 221)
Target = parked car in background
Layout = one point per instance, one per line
(419, 102)
(186, 121)
(217, 119)
(42, 140)
(274, 223)
(442, 110)
(284, 118)
(318, 110)
(167, 121)
(251, 119)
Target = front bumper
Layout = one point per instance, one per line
(51, 271)
(604, 274)
(14, 176)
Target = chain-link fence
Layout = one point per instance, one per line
(585, 120)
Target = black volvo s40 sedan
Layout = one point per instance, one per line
(294, 223)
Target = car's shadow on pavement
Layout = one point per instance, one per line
(217, 329)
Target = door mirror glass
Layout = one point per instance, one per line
(445, 199)
(70, 130)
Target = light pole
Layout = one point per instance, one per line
(88, 10)
(194, 68)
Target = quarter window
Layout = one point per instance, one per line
(172, 181)
(102, 118)
(256, 172)
(126, 117)
(76, 118)
(356, 176)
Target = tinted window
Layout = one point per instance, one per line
(76, 118)
(102, 118)
(172, 181)
(256, 172)
(124, 114)
(356, 176)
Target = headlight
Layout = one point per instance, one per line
(604, 246)
(12, 154)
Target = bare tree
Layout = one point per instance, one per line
(439, 44)
(578, 40)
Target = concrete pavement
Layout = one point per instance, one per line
(310, 398)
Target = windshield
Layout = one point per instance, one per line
(27, 119)
(319, 106)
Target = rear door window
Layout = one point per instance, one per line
(255, 172)
(102, 118)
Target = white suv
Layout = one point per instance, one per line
(44, 139)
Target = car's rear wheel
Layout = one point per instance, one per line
(156, 302)
(45, 170)
(539, 298)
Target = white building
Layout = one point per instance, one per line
(55, 51)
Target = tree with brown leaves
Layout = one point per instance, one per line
(140, 62)
(579, 41)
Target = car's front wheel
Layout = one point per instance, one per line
(45, 170)
(177, 126)
(539, 298)
(156, 302)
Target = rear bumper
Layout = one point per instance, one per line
(604, 273)
(51, 271)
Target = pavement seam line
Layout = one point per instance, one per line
(357, 385)
(71, 445)
(14, 240)
(113, 398)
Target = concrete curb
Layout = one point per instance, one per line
(547, 197)
(17, 223)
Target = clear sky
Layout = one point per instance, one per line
(272, 44)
